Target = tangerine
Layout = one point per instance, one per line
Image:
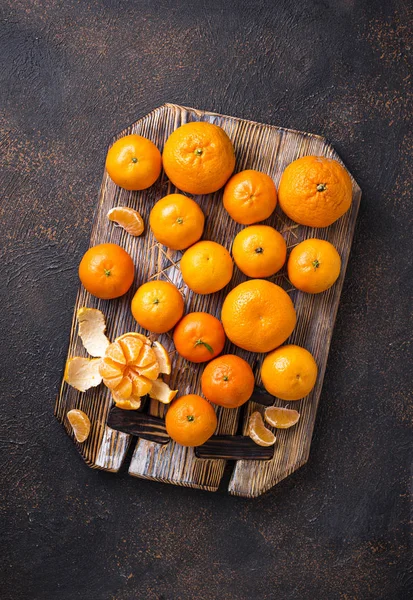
(259, 251)
(199, 337)
(134, 162)
(315, 191)
(289, 372)
(258, 315)
(106, 271)
(157, 306)
(250, 196)
(206, 267)
(190, 420)
(228, 381)
(198, 157)
(177, 221)
(314, 266)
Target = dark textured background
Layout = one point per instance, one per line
(74, 73)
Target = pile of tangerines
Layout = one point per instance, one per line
(257, 315)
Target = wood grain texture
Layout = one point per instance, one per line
(257, 146)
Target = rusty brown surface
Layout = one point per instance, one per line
(75, 73)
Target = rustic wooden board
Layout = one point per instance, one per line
(263, 147)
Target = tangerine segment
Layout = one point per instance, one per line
(258, 315)
(134, 162)
(92, 327)
(83, 373)
(146, 358)
(128, 218)
(124, 389)
(151, 372)
(228, 381)
(140, 385)
(132, 377)
(314, 266)
(198, 157)
(115, 353)
(199, 337)
(281, 418)
(250, 196)
(80, 423)
(157, 306)
(131, 403)
(258, 432)
(110, 369)
(289, 372)
(190, 420)
(177, 221)
(259, 251)
(315, 191)
(132, 348)
(206, 267)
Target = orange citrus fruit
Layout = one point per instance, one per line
(157, 306)
(134, 162)
(198, 157)
(258, 432)
(199, 337)
(128, 369)
(128, 218)
(314, 266)
(177, 221)
(281, 418)
(228, 381)
(250, 196)
(206, 267)
(315, 191)
(80, 424)
(258, 315)
(190, 420)
(106, 271)
(289, 372)
(259, 251)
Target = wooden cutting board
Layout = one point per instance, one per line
(263, 147)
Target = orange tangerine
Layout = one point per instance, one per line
(198, 157)
(177, 221)
(250, 196)
(157, 306)
(206, 267)
(258, 315)
(190, 420)
(289, 372)
(259, 251)
(314, 266)
(134, 162)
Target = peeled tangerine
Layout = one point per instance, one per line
(258, 432)
(130, 369)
